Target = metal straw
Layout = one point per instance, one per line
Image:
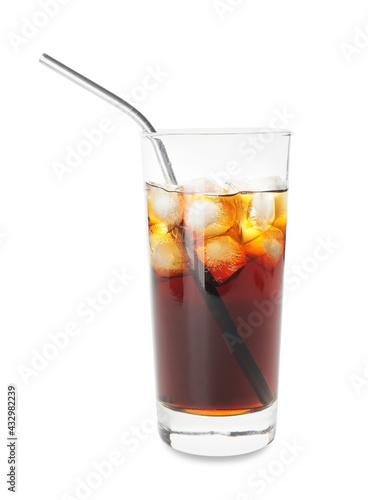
(208, 291)
(119, 103)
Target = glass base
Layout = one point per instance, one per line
(217, 436)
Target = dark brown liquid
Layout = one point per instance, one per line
(203, 246)
(195, 369)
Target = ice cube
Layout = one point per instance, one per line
(280, 211)
(168, 256)
(256, 205)
(223, 256)
(249, 234)
(164, 207)
(267, 249)
(244, 226)
(208, 216)
(262, 211)
(273, 246)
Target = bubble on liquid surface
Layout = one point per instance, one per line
(261, 184)
(203, 186)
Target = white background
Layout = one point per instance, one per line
(60, 240)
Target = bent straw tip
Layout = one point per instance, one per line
(43, 58)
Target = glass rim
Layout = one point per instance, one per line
(216, 131)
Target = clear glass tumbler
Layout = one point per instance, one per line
(217, 246)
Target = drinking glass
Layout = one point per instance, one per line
(217, 247)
